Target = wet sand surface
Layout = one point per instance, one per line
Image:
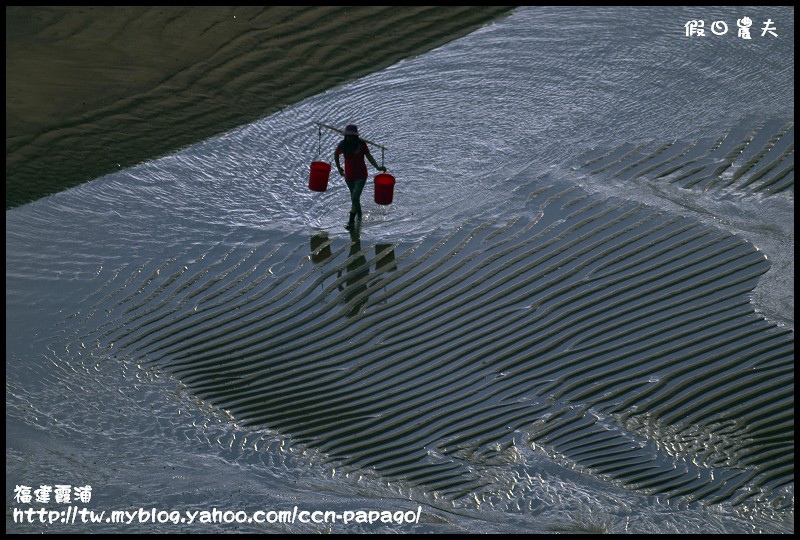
(91, 90)
(576, 314)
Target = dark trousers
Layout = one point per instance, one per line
(356, 187)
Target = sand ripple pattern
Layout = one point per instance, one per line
(241, 65)
(617, 337)
(756, 159)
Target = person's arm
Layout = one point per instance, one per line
(338, 165)
(374, 163)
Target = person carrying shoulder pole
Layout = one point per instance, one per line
(355, 170)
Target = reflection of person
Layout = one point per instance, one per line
(355, 170)
(355, 281)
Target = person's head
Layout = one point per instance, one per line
(351, 132)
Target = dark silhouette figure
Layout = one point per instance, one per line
(355, 170)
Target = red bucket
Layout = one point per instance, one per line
(318, 179)
(384, 188)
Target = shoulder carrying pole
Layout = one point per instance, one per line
(342, 132)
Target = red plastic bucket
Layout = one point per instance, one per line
(318, 179)
(384, 188)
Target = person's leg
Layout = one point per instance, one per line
(355, 196)
(351, 185)
(355, 187)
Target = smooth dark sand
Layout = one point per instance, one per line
(90, 90)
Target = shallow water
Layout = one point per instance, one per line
(576, 315)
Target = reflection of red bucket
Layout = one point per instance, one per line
(318, 179)
(384, 188)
